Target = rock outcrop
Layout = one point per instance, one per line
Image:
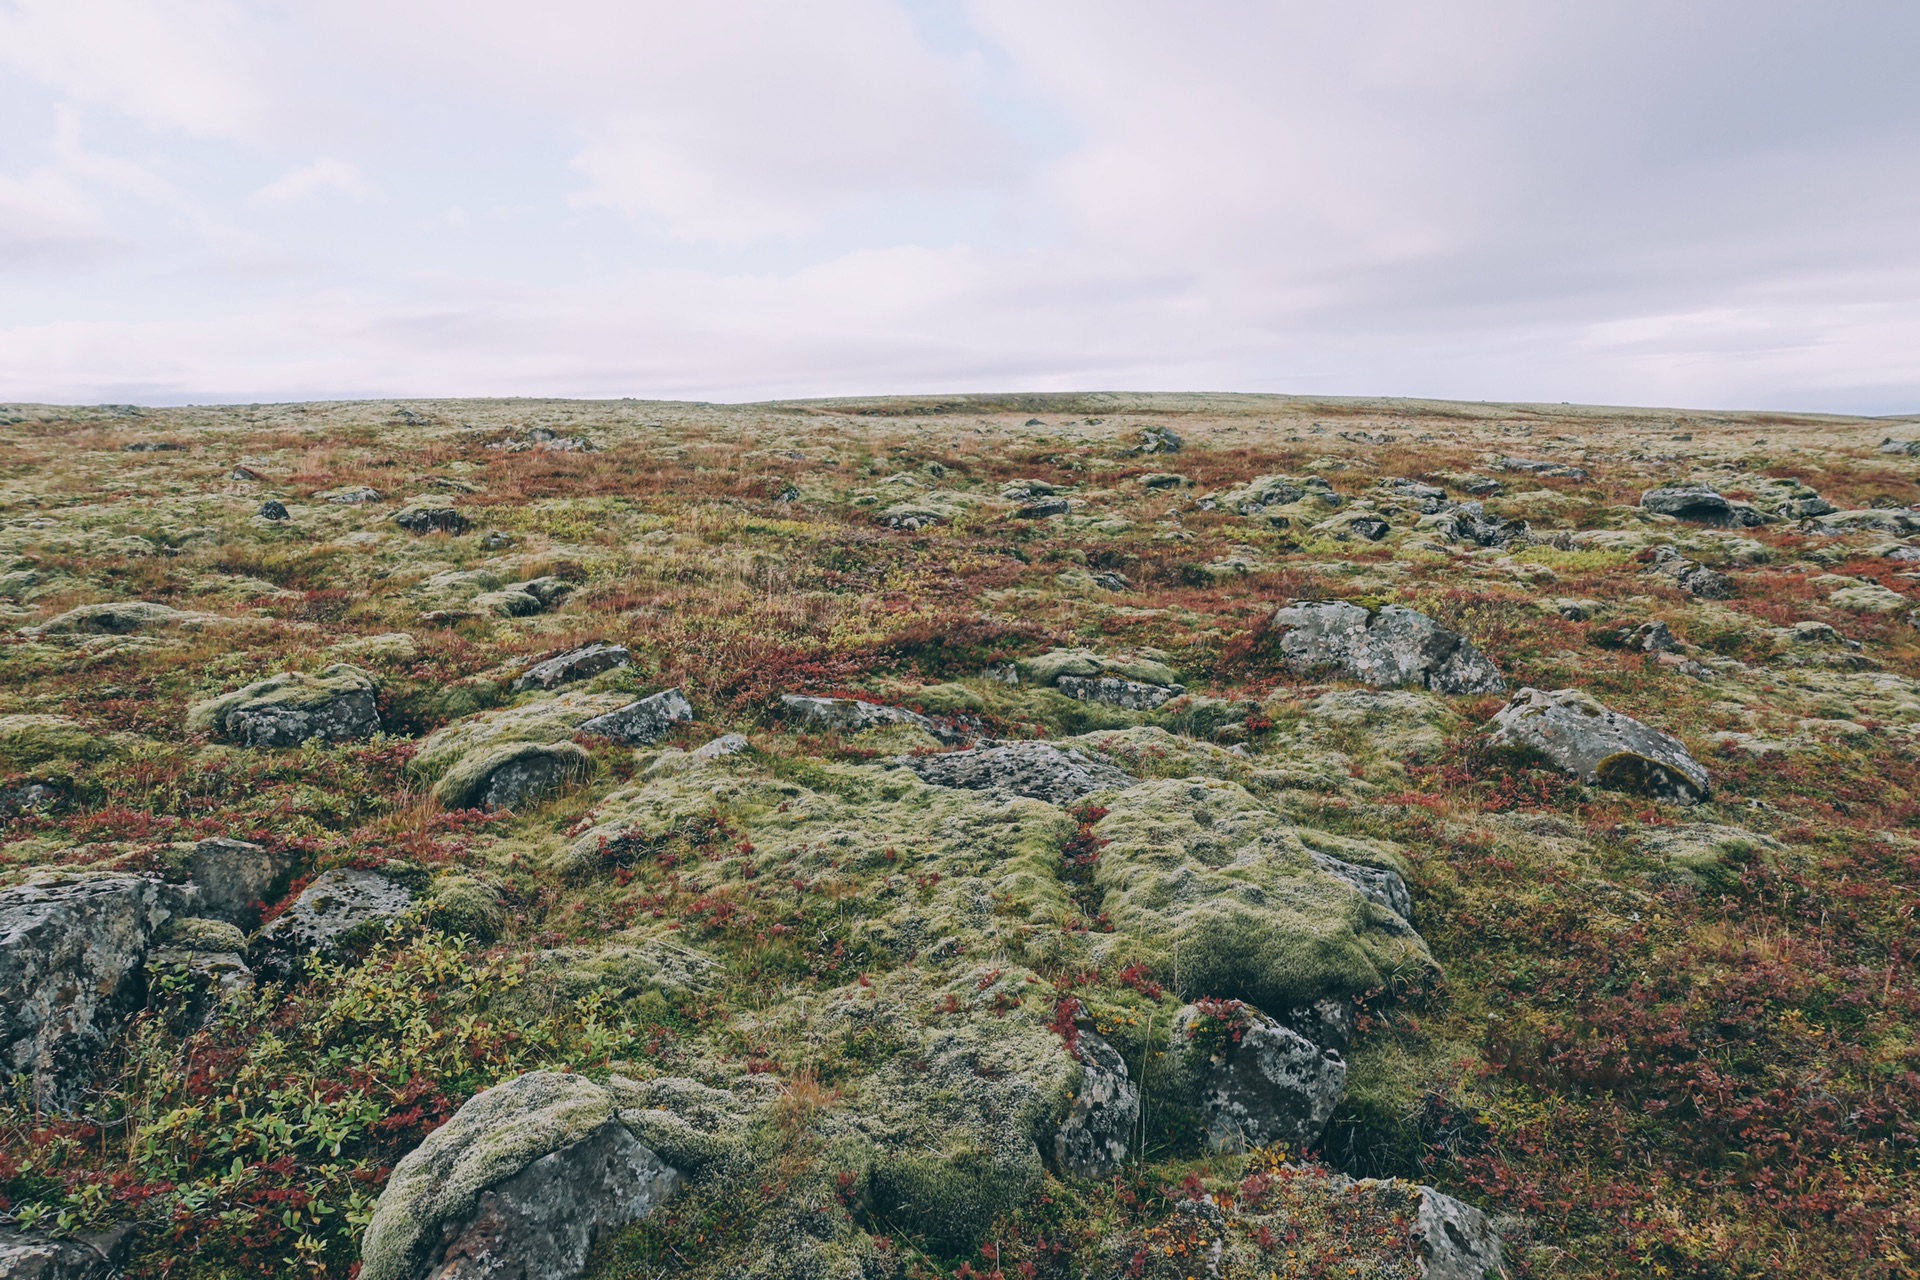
(1257, 1081)
(1701, 505)
(121, 618)
(430, 516)
(575, 664)
(27, 1255)
(1455, 1240)
(342, 908)
(1092, 1140)
(851, 715)
(644, 722)
(1577, 733)
(1140, 683)
(1387, 649)
(1037, 770)
(335, 704)
(72, 949)
(521, 1183)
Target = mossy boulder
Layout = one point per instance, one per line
(511, 774)
(1049, 667)
(30, 739)
(334, 704)
(120, 618)
(1226, 899)
(523, 1181)
(463, 905)
(540, 720)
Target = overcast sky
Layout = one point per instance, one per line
(1681, 202)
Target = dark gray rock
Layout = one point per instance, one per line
(25, 1255)
(72, 950)
(644, 722)
(1133, 695)
(1910, 448)
(1109, 580)
(273, 509)
(1652, 637)
(236, 880)
(1701, 505)
(335, 704)
(547, 589)
(152, 446)
(430, 517)
(1092, 1141)
(1159, 440)
(1690, 576)
(1600, 746)
(1469, 522)
(1038, 770)
(339, 910)
(1379, 884)
(1258, 1081)
(1041, 509)
(1393, 647)
(519, 1185)
(577, 664)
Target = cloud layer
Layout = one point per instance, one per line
(1698, 203)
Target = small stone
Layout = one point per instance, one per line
(152, 446)
(727, 744)
(1544, 467)
(576, 664)
(1108, 580)
(26, 1255)
(243, 472)
(1160, 440)
(496, 541)
(1455, 1240)
(273, 509)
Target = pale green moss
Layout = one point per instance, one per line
(1221, 897)
(463, 905)
(290, 689)
(464, 785)
(27, 740)
(494, 1136)
(544, 719)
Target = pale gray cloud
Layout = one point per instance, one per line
(1694, 201)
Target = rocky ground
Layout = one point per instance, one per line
(1106, 836)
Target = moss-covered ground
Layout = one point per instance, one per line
(1649, 1041)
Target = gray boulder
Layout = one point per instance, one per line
(1469, 522)
(1455, 1240)
(1133, 695)
(1691, 577)
(1544, 467)
(335, 704)
(1599, 746)
(1038, 770)
(1092, 1141)
(577, 664)
(1910, 448)
(1258, 1081)
(273, 509)
(430, 516)
(1701, 505)
(850, 715)
(519, 1185)
(1393, 647)
(71, 955)
(340, 908)
(1042, 509)
(644, 722)
(25, 1255)
(236, 879)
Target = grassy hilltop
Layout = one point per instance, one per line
(1647, 1038)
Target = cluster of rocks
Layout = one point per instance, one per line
(857, 715)
(1140, 683)
(1389, 647)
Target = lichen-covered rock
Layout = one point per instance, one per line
(1387, 649)
(1469, 522)
(644, 722)
(71, 955)
(1455, 1240)
(118, 619)
(1264, 492)
(335, 704)
(521, 1183)
(1380, 884)
(26, 1255)
(1693, 578)
(1132, 695)
(1037, 770)
(548, 720)
(510, 774)
(1892, 520)
(576, 664)
(340, 910)
(236, 880)
(1219, 895)
(1688, 502)
(849, 715)
(1578, 734)
(1057, 664)
(1092, 1140)
(1257, 1081)
(430, 516)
